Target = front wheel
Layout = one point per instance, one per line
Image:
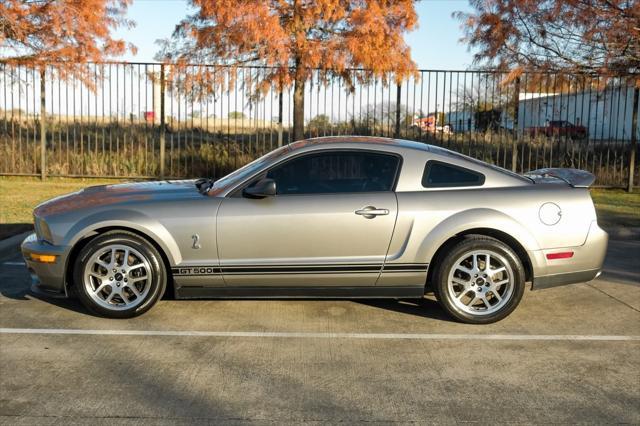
(479, 280)
(119, 275)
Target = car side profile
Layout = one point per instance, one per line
(333, 217)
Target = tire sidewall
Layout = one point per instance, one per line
(157, 285)
(455, 252)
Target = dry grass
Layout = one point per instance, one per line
(133, 151)
(216, 146)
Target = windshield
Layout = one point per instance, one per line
(249, 169)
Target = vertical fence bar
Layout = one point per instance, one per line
(43, 126)
(162, 124)
(516, 110)
(634, 138)
(396, 133)
(280, 117)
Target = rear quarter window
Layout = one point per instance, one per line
(442, 175)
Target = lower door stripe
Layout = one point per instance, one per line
(200, 270)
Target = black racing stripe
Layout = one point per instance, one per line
(326, 272)
(300, 269)
(419, 267)
(205, 270)
(287, 265)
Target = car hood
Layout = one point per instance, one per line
(118, 194)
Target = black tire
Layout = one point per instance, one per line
(457, 250)
(156, 284)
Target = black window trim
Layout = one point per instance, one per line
(237, 191)
(427, 169)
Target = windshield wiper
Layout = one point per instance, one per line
(204, 185)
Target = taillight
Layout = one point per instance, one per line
(560, 255)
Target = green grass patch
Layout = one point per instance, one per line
(19, 196)
(617, 207)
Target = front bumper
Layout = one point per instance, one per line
(46, 278)
(583, 266)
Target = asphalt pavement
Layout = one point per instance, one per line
(566, 355)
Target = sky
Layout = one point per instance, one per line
(434, 45)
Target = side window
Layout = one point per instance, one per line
(335, 172)
(439, 175)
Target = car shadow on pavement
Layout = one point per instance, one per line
(71, 304)
(10, 229)
(425, 307)
(17, 286)
(620, 256)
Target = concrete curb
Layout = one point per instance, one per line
(11, 245)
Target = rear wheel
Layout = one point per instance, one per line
(479, 280)
(119, 275)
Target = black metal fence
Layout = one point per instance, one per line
(136, 122)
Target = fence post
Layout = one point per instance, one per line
(280, 118)
(634, 138)
(516, 111)
(162, 123)
(43, 125)
(396, 133)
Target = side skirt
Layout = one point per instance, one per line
(192, 292)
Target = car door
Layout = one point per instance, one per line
(329, 224)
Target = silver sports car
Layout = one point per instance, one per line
(335, 217)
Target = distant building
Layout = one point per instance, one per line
(478, 121)
(461, 121)
(607, 114)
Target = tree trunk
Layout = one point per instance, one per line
(298, 108)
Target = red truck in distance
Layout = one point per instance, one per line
(559, 128)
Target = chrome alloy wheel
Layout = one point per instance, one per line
(117, 277)
(480, 282)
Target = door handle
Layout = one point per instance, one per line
(370, 212)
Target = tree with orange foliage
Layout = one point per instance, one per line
(573, 36)
(62, 34)
(294, 37)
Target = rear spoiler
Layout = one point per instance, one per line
(574, 177)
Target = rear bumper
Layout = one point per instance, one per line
(46, 278)
(585, 264)
(564, 279)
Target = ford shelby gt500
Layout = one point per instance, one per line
(335, 217)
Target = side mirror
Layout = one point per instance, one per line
(263, 188)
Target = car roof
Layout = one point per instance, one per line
(380, 141)
(365, 140)
(372, 141)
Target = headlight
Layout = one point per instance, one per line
(42, 230)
